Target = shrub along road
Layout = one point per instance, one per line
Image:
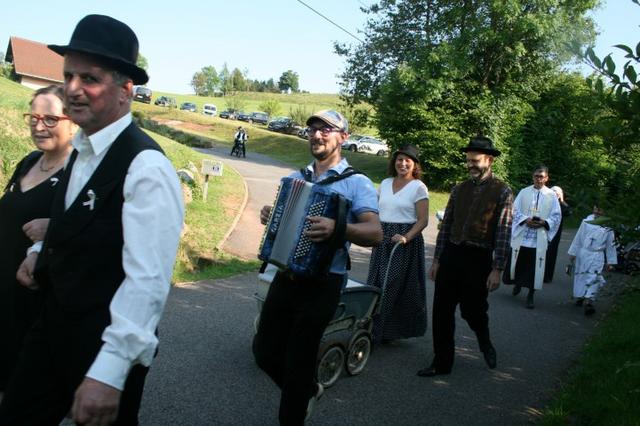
(205, 373)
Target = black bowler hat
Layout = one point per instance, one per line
(408, 150)
(481, 144)
(110, 40)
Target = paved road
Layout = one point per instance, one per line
(205, 373)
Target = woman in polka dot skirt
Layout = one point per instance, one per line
(404, 213)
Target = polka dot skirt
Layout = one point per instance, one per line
(403, 312)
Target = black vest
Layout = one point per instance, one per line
(81, 261)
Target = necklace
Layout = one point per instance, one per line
(43, 169)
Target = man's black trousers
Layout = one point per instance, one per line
(292, 321)
(56, 355)
(461, 279)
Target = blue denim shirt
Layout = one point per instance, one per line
(363, 196)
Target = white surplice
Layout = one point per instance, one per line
(593, 246)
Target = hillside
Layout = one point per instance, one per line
(15, 142)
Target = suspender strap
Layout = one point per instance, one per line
(349, 171)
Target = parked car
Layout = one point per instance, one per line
(230, 114)
(259, 117)
(165, 101)
(189, 106)
(244, 116)
(278, 124)
(210, 109)
(284, 125)
(303, 132)
(142, 94)
(368, 144)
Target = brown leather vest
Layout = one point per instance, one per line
(475, 212)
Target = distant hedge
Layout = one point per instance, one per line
(188, 139)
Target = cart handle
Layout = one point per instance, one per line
(386, 274)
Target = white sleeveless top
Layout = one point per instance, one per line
(401, 206)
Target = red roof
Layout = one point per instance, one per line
(34, 59)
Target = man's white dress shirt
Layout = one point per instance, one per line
(152, 216)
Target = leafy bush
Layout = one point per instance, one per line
(234, 102)
(299, 114)
(271, 107)
(7, 71)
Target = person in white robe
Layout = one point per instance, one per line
(536, 219)
(593, 251)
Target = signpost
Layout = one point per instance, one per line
(209, 168)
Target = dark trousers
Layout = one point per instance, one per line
(57, 353)
(292, 322)
(461, 279)
(525, 269)
(237, 147)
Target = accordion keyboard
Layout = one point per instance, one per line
(304, 243)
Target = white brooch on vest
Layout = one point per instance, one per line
(54, 181)
(92, 199)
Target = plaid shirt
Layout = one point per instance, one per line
(502, 237)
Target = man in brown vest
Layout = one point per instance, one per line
(471, 252)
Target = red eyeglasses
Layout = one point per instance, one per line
(49, 121)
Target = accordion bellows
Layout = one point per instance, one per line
(284, 242)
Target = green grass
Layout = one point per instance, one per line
(604, 386)
(15, 141)
(205, 222)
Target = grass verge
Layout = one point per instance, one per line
(603, 388)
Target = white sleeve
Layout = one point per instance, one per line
(421, 192)
(576, 244)
(554, 219)
(518, 214)
(152, 216)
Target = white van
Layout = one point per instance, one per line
(210, 109)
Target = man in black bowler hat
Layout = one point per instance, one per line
(471, 252)
(106, 262)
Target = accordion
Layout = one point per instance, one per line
(284, 242)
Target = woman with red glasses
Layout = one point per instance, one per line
(24, 209)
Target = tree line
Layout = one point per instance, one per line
(209, 82)
(436, 72)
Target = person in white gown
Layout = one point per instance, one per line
(593, 251)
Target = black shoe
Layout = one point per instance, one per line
(490, 356)
(589, 309)
(432, 371)
(314, 400)
(516, 290)
(530, 304)
(579, 301)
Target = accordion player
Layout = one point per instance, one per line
(284, 243)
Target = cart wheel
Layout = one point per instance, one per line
(330, 366)
(358, 355)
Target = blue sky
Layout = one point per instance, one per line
(267, 38)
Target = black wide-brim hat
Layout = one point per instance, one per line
(408, 150)
(481, 144)
(110, 41)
